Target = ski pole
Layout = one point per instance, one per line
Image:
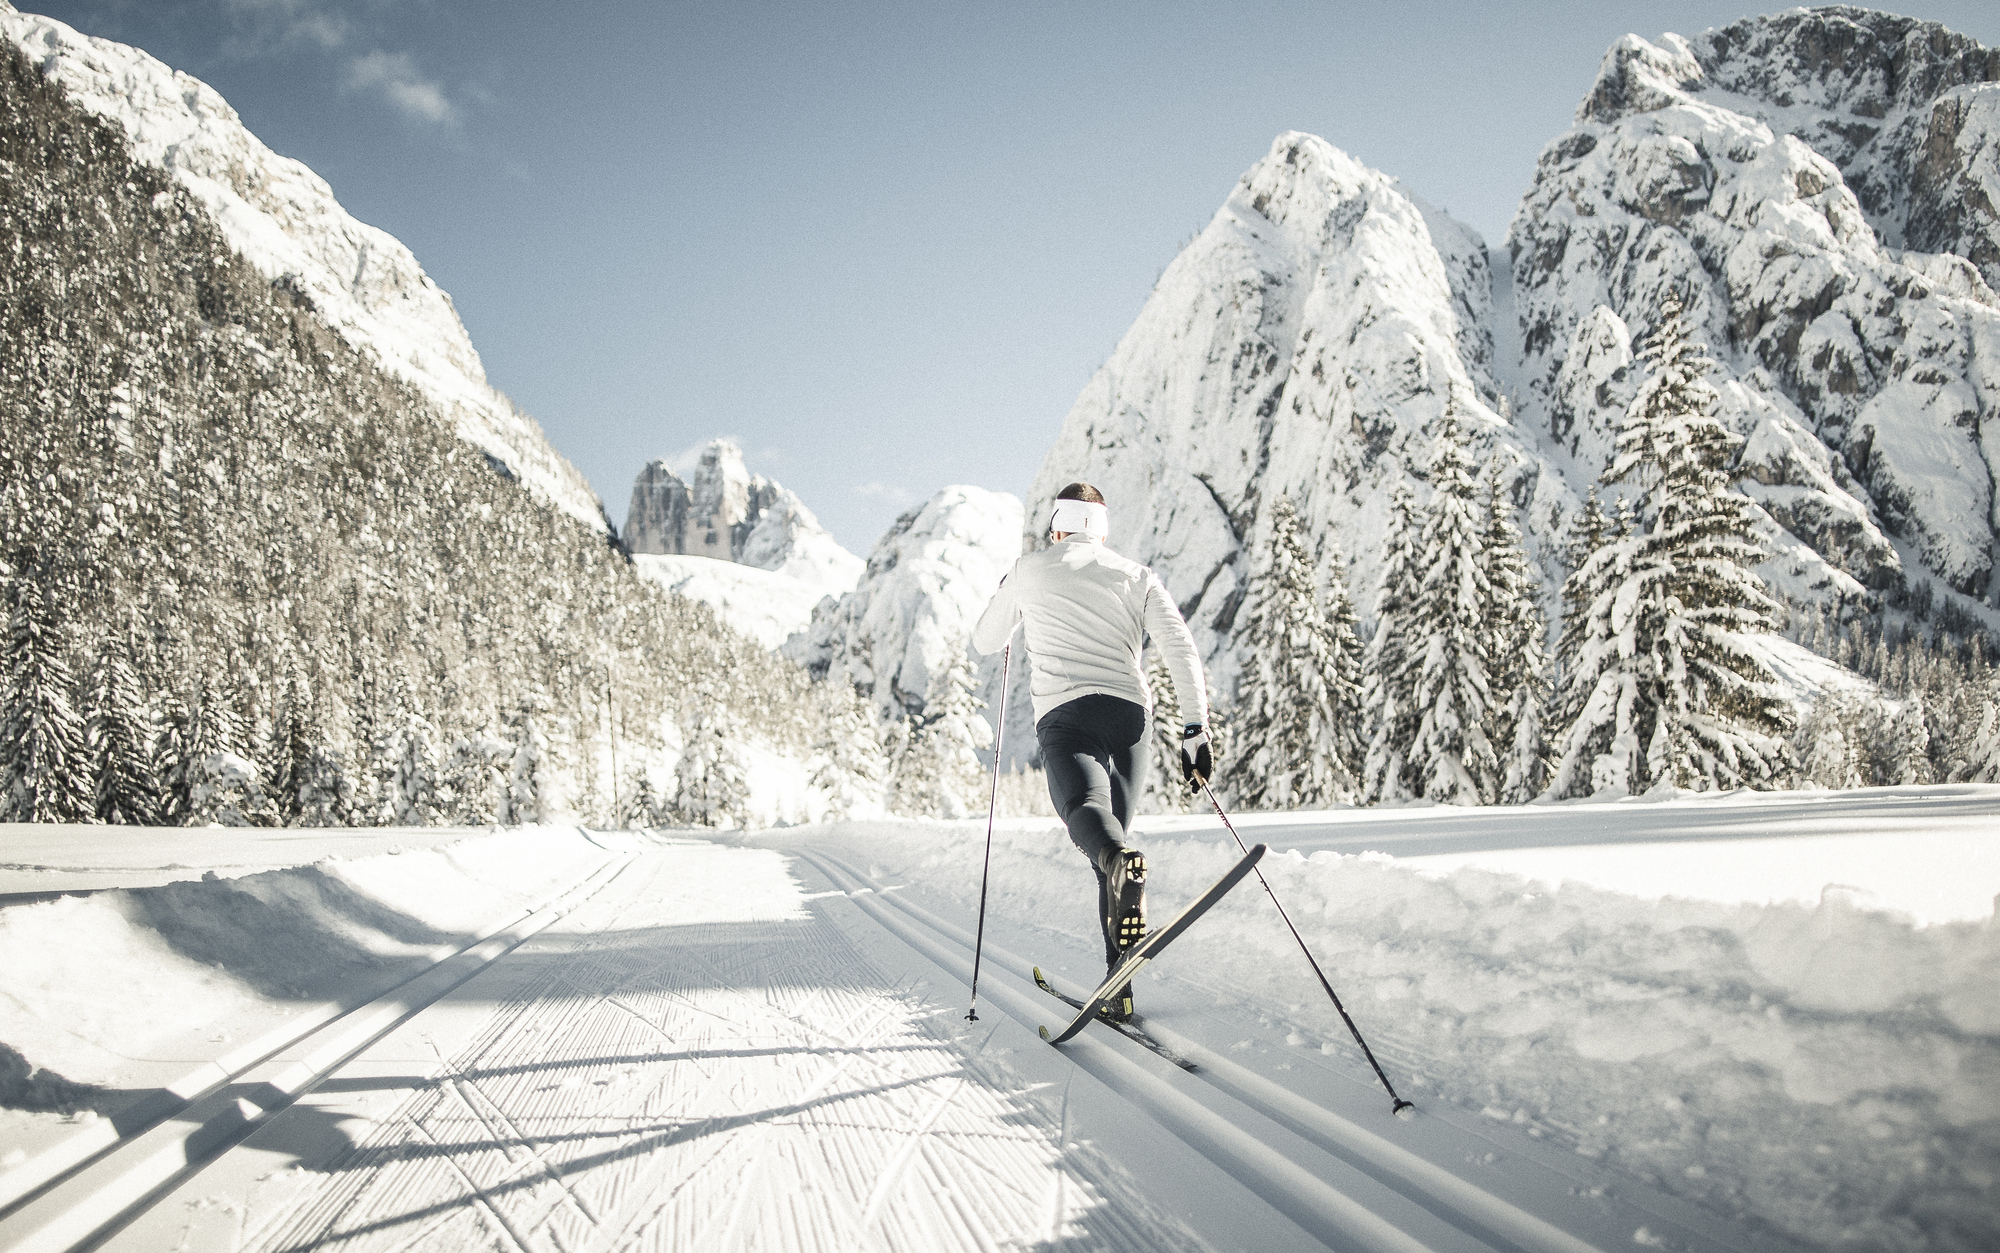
(992, 804)
(1400, 1104)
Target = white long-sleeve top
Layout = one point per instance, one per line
(1085, 612)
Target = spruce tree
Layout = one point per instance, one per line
(938, 774)
(1164, 792)
(849, 768)
(1667, 689)
(1515, 651)
(44, 765)
(1388, 693)
(1912, 739)
(1297, 692)
(714, 787)
(1451, 760)
(1982, 763)
(119, 733)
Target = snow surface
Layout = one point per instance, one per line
(284, 220)
(724, 1047)
(1823, 1069)
(768, 607)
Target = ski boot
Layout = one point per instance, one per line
(1124, 897)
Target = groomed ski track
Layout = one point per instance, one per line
(680, 1054)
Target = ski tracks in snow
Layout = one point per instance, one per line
(636, 1080)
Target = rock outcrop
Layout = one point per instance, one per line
(722, 511)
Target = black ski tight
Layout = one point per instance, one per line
(1091, 753)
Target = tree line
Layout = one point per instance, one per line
(248, 576)
(1656, 679)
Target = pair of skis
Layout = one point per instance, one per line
(1137, 957)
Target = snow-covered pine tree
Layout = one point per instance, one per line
(44, 768)
(527, 799)
(1828, 754)
(1982, 759)
(119, 733)
(1667, 689)
(292, 739)
(1295, 693)
(1911, 736)
(1515, 632)
(714, 786)
(1451, 760)
(477, 772)
(850, 769)
(414, 786)
(939, 774)
(1589, 528)
(1388, 696)
(1164, 791)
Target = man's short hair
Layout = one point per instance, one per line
(1083, 492)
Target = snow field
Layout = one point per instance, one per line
(1827, 1070)
(766, 606)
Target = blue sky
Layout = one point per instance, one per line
(883, 245)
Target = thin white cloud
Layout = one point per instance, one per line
(395, 77)
(890, 492)
(263, 25)
(684, 461)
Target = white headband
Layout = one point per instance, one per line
(1072, 516)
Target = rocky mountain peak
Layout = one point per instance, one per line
(723, 511)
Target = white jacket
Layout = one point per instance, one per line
(1085, 612)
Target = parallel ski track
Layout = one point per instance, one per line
(1315, 1205)
(712, 1086)
(79, 1191)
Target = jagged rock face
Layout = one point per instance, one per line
(928, 579)
(656, 522)
(1303, 344)
(284, 220)
(1774, 172)
(725, 512)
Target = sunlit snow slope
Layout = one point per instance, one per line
(284, 220)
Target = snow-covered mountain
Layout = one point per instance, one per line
(284, 220)
(927, 580)
(722, 511)
(1792, 177)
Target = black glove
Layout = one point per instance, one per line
(1197, 756)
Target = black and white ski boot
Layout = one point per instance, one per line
(1125, 897)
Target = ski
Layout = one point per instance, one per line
(1130, 1030)
(1147, 948)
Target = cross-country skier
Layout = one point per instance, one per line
(1085, 612)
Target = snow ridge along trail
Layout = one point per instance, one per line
(53, 1205)
(703, 1057)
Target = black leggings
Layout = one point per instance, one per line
(1090, 751)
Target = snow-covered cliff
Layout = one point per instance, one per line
(724, 512)
(1793, 177)
(927, 580)
(284, 220)
(1303, 344)
(1817, 185)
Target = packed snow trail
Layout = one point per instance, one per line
(702, 1058)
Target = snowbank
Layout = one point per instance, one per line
(95, 986)
(1828, 1069)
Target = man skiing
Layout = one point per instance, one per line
(1085, 612)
